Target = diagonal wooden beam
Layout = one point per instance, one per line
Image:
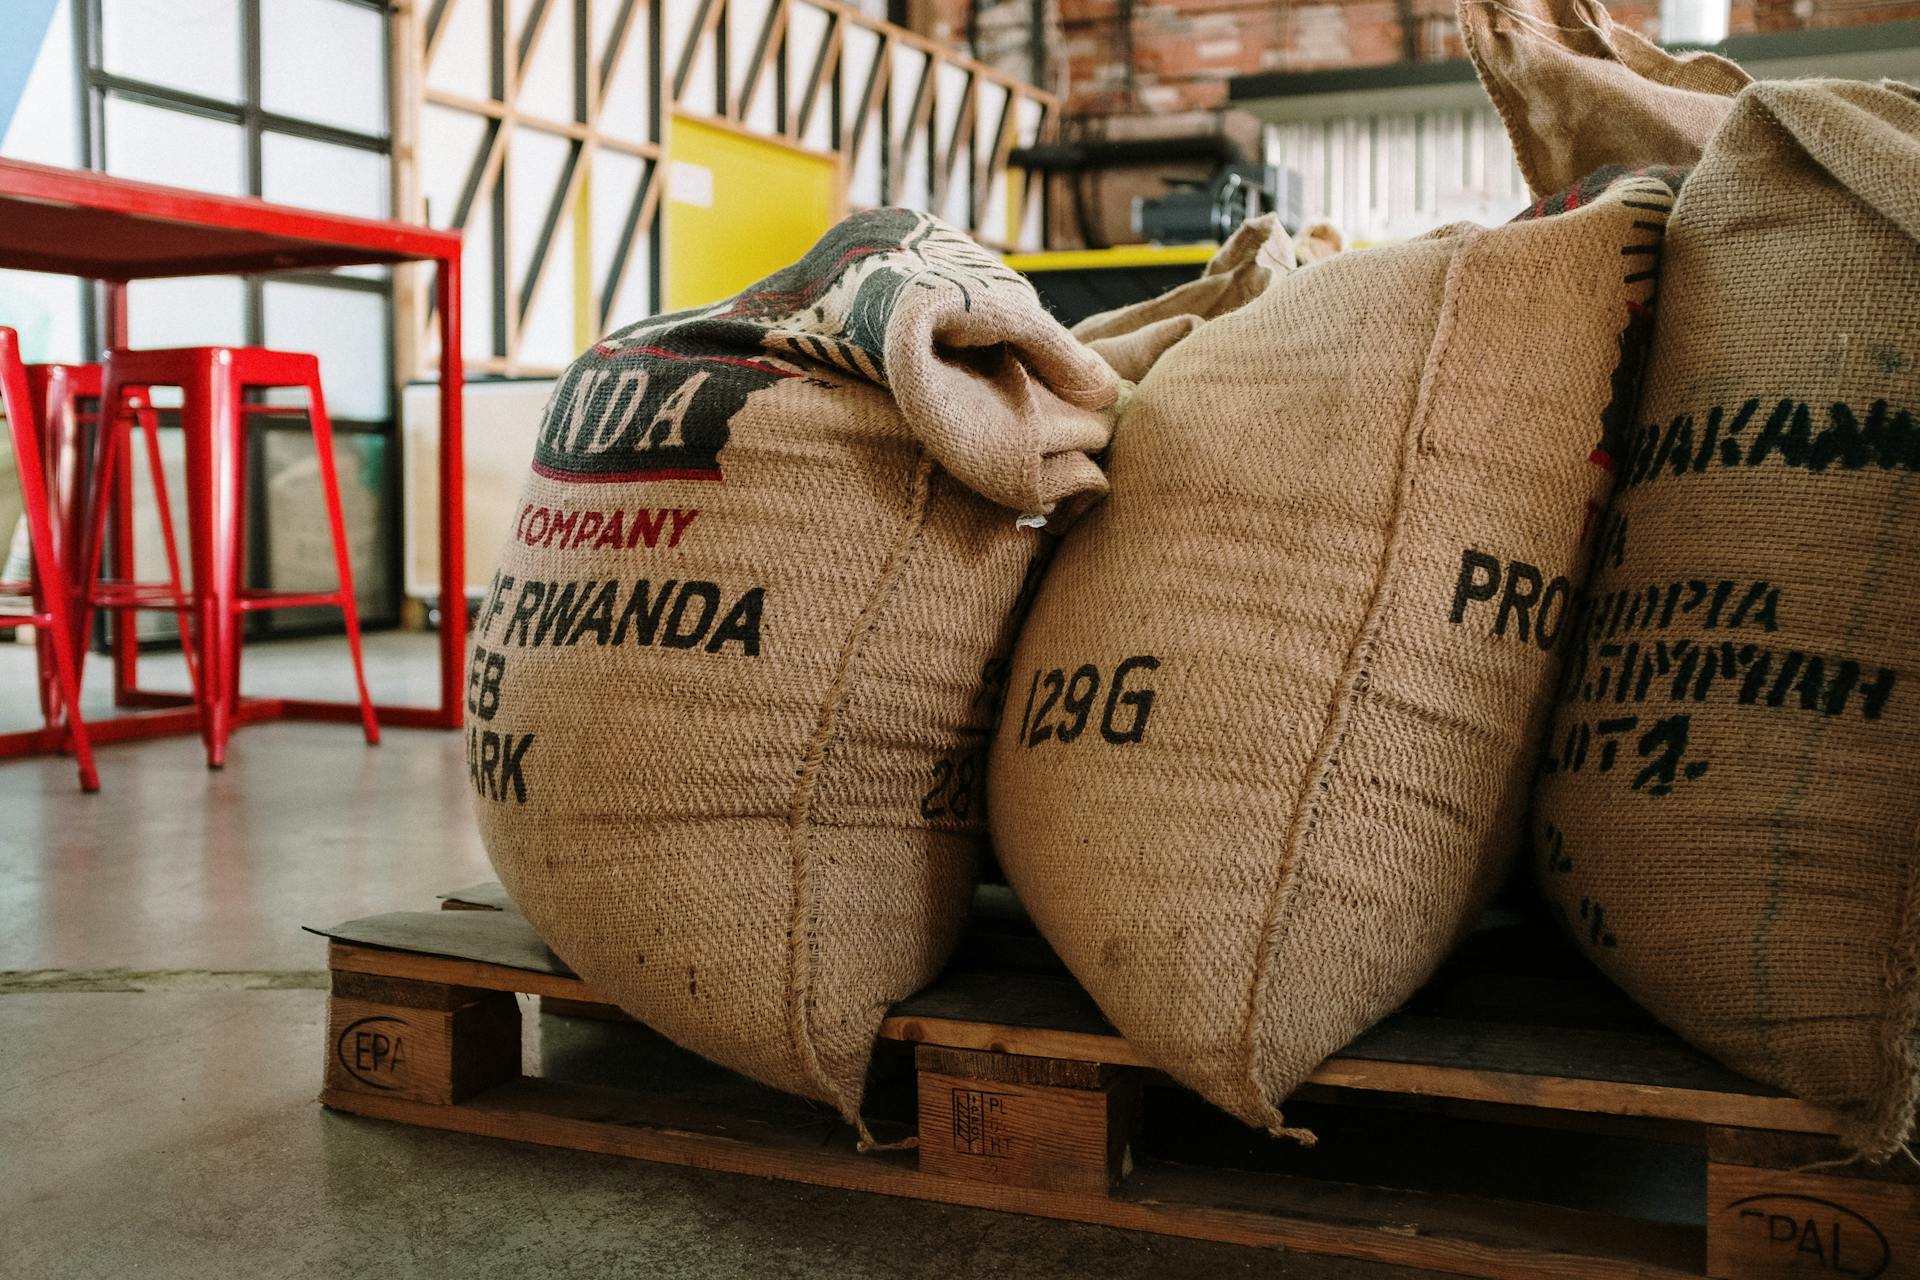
(536, 26)
(870, 98)
(824, 69)
(617, 42)
(437, 21)
(641, 215)
(996, 160)
(711, 12)
(960, 139)
(543, 249)
(764, 54)
(917, 117)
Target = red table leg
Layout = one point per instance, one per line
(126, 634)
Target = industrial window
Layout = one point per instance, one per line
(287, 100)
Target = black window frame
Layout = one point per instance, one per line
(94, 86)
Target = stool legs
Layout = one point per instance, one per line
(149, 419)
(51, 591)
(121, 411)
(214, 382)
(349, 603)
(60, 439)
(53, 599)
(210, 405)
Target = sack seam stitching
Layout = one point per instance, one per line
(800, 824)
(1326, 758)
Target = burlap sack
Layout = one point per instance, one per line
(730, 689)
(1728, 811)
(1318, 241)
(1577, 92)
(1133, 337)
(1267, 740)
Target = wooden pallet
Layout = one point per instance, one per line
(1518, 1119)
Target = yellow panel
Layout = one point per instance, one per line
(739, 208)
(1125, 255)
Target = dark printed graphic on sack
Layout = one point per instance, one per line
(655, 401)
(1847, 439)
(663, 417)
(612, 613)
(1615, 663)
(1123, 715)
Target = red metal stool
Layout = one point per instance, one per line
(56, 391)
(214, 382)
(70, 401)
(47, 588)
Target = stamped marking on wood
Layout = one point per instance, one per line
(979, 1124)
(426, 1041)
(1063, 1139)
(1775, 1222)
(374, 1050)
(1818, 1233)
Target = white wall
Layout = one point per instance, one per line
(45, 129)
(501, 421)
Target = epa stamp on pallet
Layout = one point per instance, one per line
(1024, 1100)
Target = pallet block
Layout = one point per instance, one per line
(422, 1041)
(1025, 1122)
(1028, 1102)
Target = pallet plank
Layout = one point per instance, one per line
(1762, 1150)
(489, 937)
(421, 967)
(1013, 1068)
(1043, 1016)
(1491, 1240)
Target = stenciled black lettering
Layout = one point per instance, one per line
(1479, 579)
(1138, 701)
(1517, 602)
(524, 609)
(563, 604)
(1553, 605)
(707, 596)
(741, 626)
(598, 617)
(643, 612)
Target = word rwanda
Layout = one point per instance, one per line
(674, 615)
(601, 530)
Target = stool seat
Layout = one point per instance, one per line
(214, 383)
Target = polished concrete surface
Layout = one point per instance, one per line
(160, 1045)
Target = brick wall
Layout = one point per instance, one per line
(1176, 55)
(1179, 54)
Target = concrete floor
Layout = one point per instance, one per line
(161, 1029)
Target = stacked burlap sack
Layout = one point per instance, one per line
(1270, 728)
(730, 688)
(1728, 810)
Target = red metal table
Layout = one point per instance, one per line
(107, 229)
